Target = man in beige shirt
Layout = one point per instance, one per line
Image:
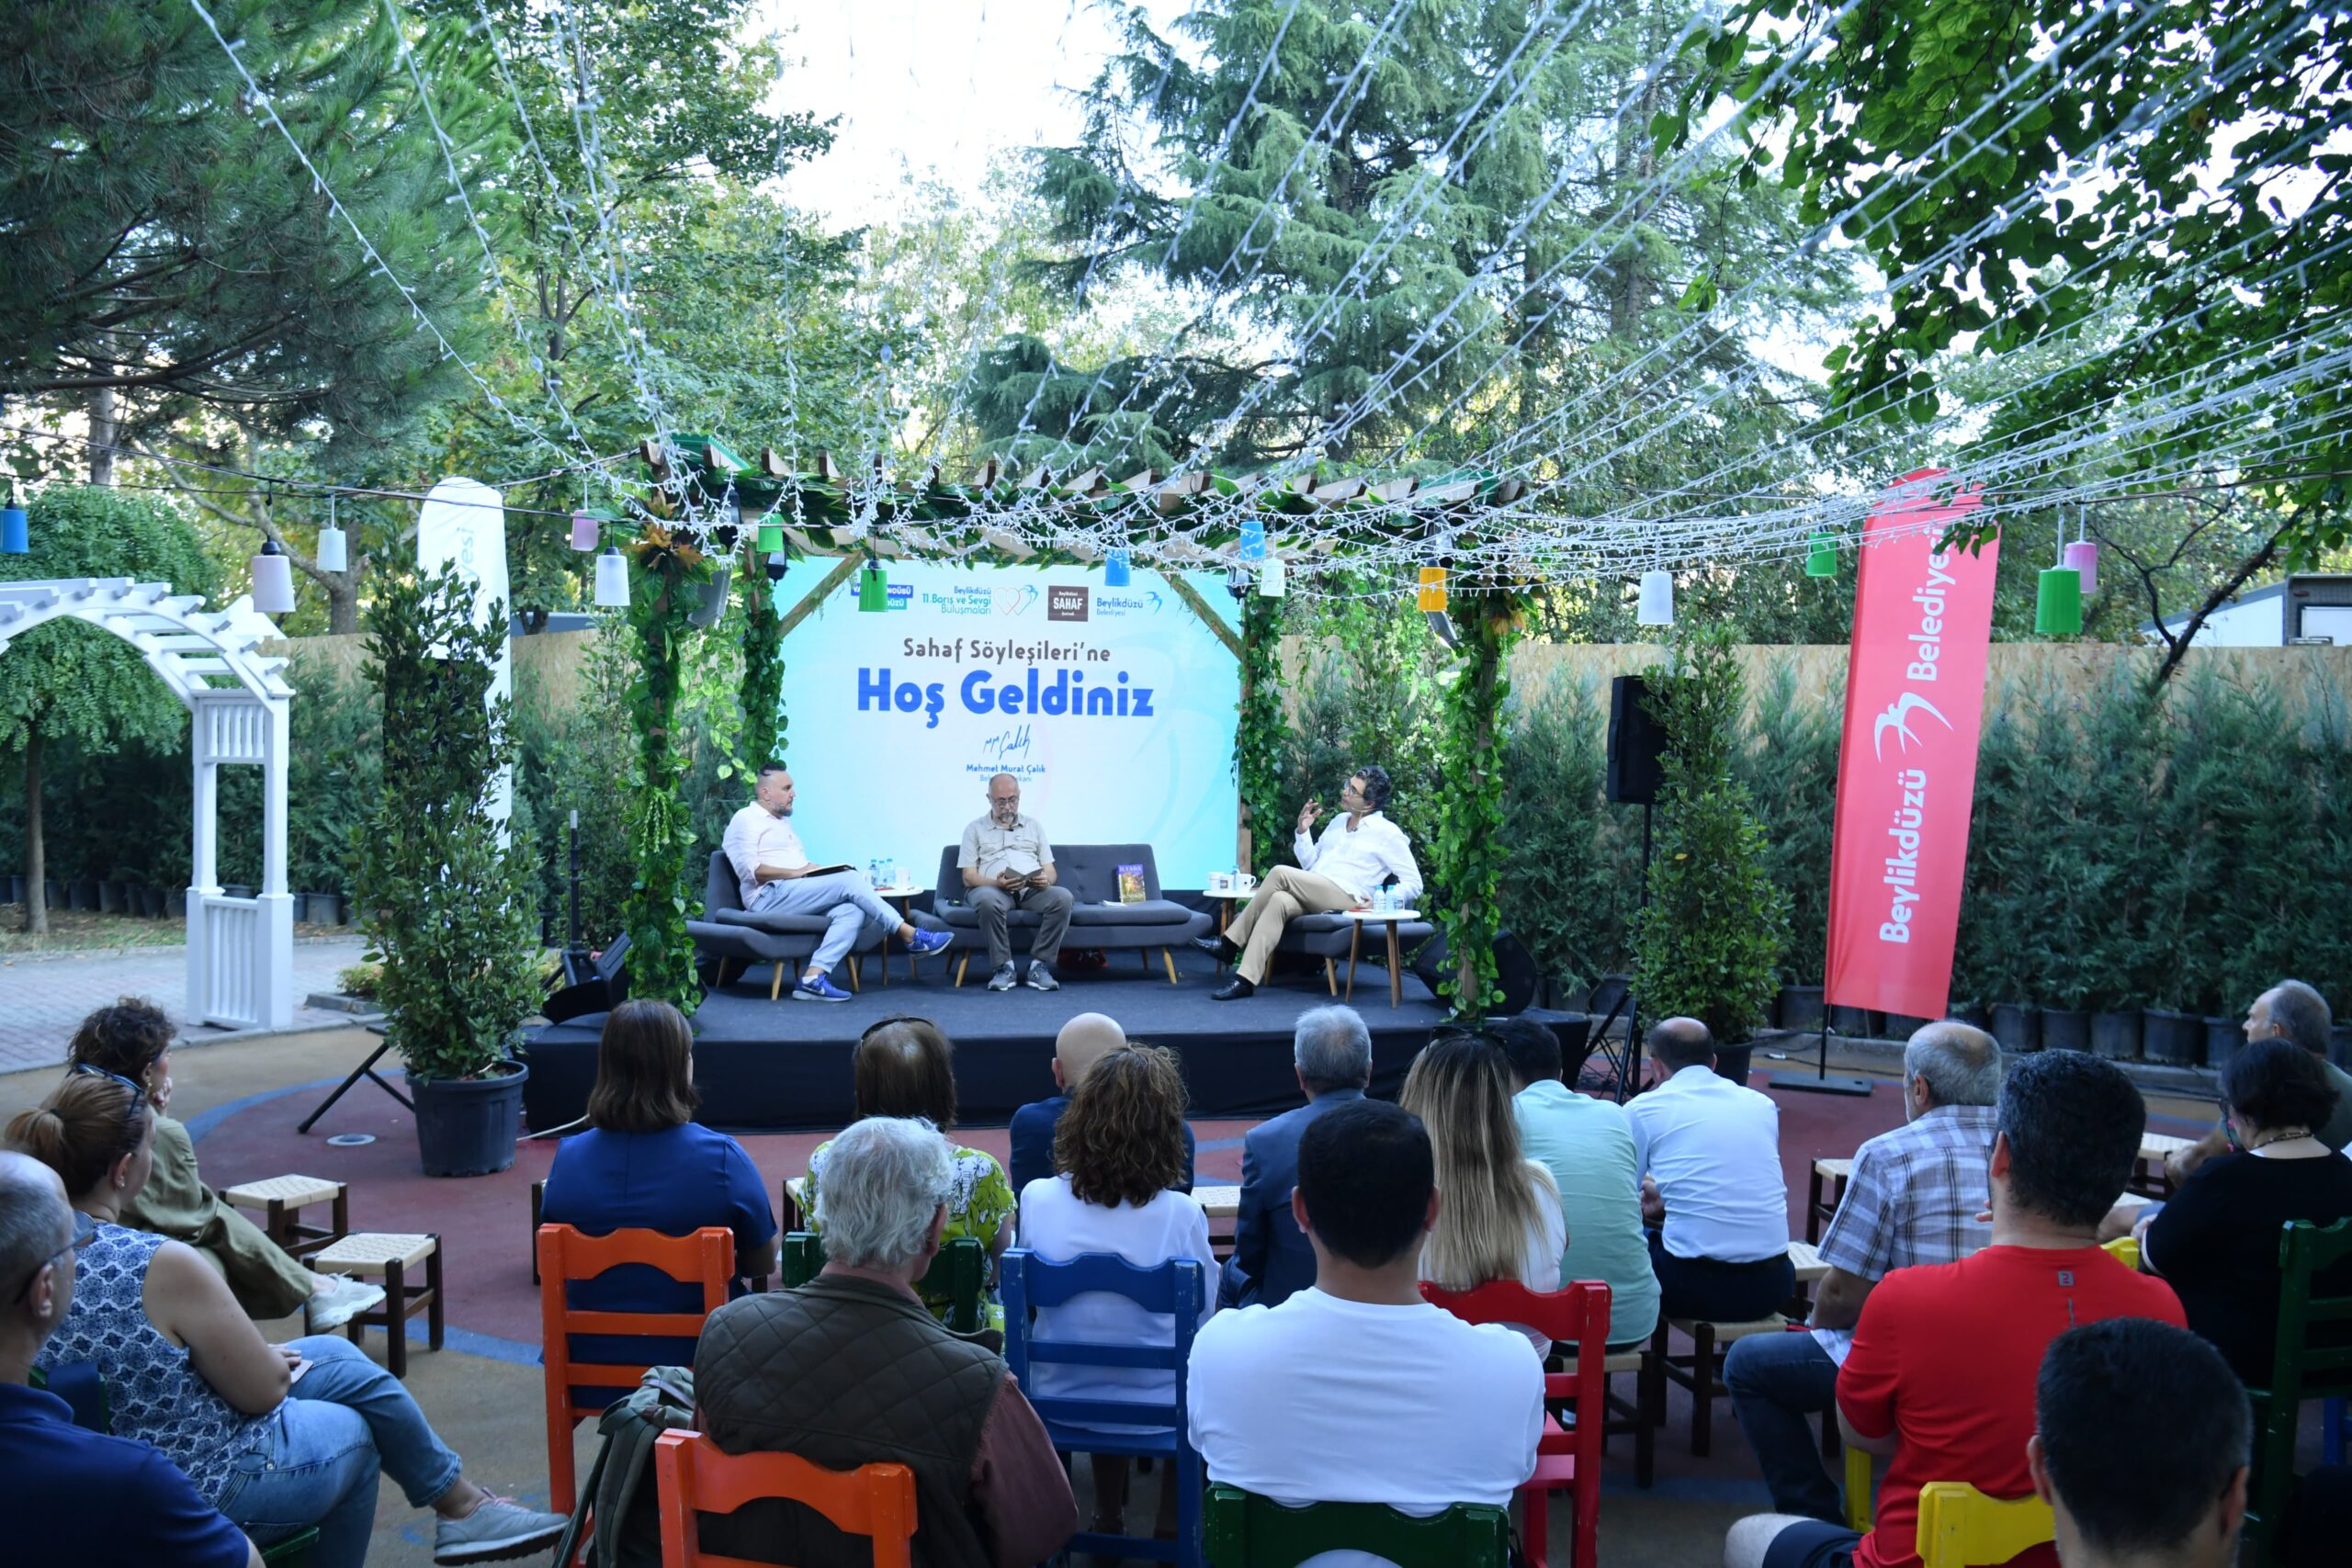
(1007, 865)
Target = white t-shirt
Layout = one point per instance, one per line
(1714, 1148)
(757, 836)
(1057, 1227)
(1547, 1241)
(1321, 1400)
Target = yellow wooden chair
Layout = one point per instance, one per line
(2126, 1251)
(1961, 1528)
(1858, 1490)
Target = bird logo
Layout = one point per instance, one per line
(1898, 719)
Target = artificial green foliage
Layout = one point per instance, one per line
(664, 572)
(579, 754)
(1373, 698)
(1790, 766)
(1257, 736)
(761, 740)
(448, 909)
(1572, 870)
(1708, 945)
(1468, 851)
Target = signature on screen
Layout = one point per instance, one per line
(1005, 746)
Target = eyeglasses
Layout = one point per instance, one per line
(85, 1228)
(132, 1130)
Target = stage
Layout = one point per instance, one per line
(779, 1067)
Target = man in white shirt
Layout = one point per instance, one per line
(773, 873)
(1356, 857)
(1356, 1390)
(1712, 1196)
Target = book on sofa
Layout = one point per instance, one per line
(1131, 886)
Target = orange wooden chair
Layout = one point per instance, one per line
(875, 1500)
(1567, 1458)
(706, 1259)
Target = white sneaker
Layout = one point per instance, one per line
(344, 1299)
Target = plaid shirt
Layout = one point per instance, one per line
(1913, 1197)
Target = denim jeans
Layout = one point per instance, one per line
(346, 1419)
(1776, 1381)
(847, 901)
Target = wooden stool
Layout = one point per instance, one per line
(1639, 1415)
(1805, 1258)
(282, 1198)
(1701, 1371)
(392, 1255)
(1816, 1208)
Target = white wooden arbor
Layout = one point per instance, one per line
(239, 951)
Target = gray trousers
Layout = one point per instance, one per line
(1050, 905)
(847, 901)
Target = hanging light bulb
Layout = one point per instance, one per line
(1115, 574)
(1656, 608)
(1270, 580)
(16, 531)
(1821, 556)
(2082, 558)
(872, 587)
(585, 532)
(273, 581)
(612, 579)
(334, 554)
(2058, 602)
(770, 541)
(1431, 598)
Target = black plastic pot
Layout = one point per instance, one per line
(52, 893)
(468, 1126)
(1731, 1062)
(2065, 1028)
(2116, 1035)
(112, 899)
(2017, 1026)
(16, 890)
(84, 893)
(1975, 1014)
(1902, 1026)
(1801, 1008)
(2339, 1045)
(154, 901)
(2222, 1037)
(1854, 1023)
(2178, 1038)
(319, 908)
(236, 890)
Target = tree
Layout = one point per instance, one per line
(70, 683)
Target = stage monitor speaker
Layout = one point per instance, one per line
(591, 988)
(1636, 743)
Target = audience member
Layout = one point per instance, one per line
(1589, 1149)
(1914, 1197)
(1330, 1051)
(1501, 1217)
(849, 1370)
(1942, 1367)
(2141, 1442)
(71, 1495)
(2293, 1012)
(278, 1437)
(1718, 1209)
(1083, 1041)
(1357, 1391)
(1119, 1154)
(2217, 1240)
(132, 1039)
(645, 1163)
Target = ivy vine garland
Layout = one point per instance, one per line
(1469, 855)
(762, 741)
(1258, 736)
(664, 570)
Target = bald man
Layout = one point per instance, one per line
(1083, 1041)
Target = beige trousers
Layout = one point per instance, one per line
(1286, 893)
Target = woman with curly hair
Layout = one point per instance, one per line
(1119, 1152)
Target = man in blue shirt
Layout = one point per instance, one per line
(69, 1496)
(1084, 1041)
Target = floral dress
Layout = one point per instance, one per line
(978, 1202)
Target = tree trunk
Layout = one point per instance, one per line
(104, 428)
(343, 600)
(36, 850)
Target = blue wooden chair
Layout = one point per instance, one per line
(1176, 1287)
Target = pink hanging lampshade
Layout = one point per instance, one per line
(2081, 557)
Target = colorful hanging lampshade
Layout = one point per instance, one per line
(2058, 602)
(1115, 572)
(334, 551)
(273, 581)
(1656, 608)
(873, 588)
(612, 579)
(15, 532)
(1271, 583)
(2082, 558)
(1821, 556)
(1431, 598)
(1253, 538)
(770, 541)
(585, 532)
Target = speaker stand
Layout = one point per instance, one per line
(1821, 1081)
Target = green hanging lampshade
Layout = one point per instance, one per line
(873, 588)
(771, 538)
(1821, 556)
(2058, 602)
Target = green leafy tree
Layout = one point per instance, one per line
(1788, 764)
(1572, 874)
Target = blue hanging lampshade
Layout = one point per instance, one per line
(1115, 572)
(1253, 538)
(16, 531)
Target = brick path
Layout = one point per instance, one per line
(43, 996)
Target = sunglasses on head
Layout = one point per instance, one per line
(130, 1128)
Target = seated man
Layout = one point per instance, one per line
(852, 1369)
(1331, 1050)
(775, 879)
(1356, 858)
(1007, 865)
(1709, 1154)
(1357, 1391)
(1942, 1372)
(2173, 1493)
(2289, 1010)
(71, 1495)
(1914, 1198)
(1589, 1148)
(1084, 1041)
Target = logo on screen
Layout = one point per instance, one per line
(1016, 601)
(1066, 603)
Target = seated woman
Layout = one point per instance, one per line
(278, 1438)
(2216, 1240)
(904, 1067)
(1119, 1150)
(132, 1039)
(1499, 1216)
(645, 1163)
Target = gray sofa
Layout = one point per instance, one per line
(1098, 920)
(727, 930)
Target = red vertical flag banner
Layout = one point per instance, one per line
(1906, 761)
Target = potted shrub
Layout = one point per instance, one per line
(2223, 1035)
(2017, 1026)
(2178, 1038)
(1800, 1009)
(446, 905)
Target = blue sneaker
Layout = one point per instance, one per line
(820, 990)
(929, 941)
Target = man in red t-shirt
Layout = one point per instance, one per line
(1942, 1372)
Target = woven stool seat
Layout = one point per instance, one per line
(1724, 1333)
(392, 1254)
(1835, 1169)
(1615, 1361)
(371, 1252)
(294, 1191)
(1806, 1259)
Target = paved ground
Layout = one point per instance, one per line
(43, 996)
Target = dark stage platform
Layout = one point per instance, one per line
(766, 1066)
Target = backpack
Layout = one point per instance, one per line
(619, 1492)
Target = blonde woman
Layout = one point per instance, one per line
(1499, 1215)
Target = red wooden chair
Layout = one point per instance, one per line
(875, 1500)
(707, 1257)
(1567, 1458)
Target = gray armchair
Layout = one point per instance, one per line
(727, 930)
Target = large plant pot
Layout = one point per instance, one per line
(112, 900)
(2065, 1028)
(1902, 1026)
(2115, 1036)
(154, 901)
(1731, 1062)
(84, 893)
(1854, 1023)
(2017, 1026)
(1976, 1015)
(1800, 1009)
(468, 1126)
(2176, 1038)
(52, 893)
(16, 890)
(2339, 1045)
(2222, 1037)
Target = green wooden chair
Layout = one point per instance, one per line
(2298, 1370)
(1242, 1530)
(960, 1273)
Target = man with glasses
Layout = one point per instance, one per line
(1008, 864)
(71, 1495)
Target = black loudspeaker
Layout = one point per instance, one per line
(590, 987)
(1515, 971)
(1636, 743)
